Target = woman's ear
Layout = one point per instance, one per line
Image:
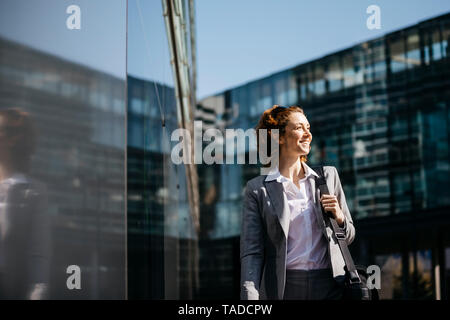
(281, 140)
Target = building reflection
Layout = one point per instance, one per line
(118, 208)
(24, 219)
(162, 242)
(162, 201)
(79, 157)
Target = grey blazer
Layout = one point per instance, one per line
(265, 226)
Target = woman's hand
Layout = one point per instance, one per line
(331, 204)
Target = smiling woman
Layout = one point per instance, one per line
(277, 118)
(286, 253)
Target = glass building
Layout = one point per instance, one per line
(379, 112)
(101, 211)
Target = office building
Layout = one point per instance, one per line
(379, 113)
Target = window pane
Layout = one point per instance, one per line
(398, 61)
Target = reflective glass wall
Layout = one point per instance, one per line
(91, 204)
(162, 238)
(62, 149)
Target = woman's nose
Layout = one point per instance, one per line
(308, 134)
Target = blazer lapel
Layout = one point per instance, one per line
(280, 205)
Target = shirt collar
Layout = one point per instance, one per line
(275, 174)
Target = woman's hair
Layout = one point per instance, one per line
(276, 117)
(18, 134)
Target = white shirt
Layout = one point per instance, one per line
(306, 247)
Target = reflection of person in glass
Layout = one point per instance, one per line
(286, 251)
(24, 225)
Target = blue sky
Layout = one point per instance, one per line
(237, 40)
(41, 24)
(242, 40)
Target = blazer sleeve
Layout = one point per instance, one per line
(251, 246)
(349, 228)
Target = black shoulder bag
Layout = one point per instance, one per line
(355, 282)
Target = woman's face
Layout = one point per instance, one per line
(297, 137)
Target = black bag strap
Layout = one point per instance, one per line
(338, 232)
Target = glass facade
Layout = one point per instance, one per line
(91, 205)
(162, 224)
(379, 113)
(63, 217)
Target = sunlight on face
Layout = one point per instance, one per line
(297, 137)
